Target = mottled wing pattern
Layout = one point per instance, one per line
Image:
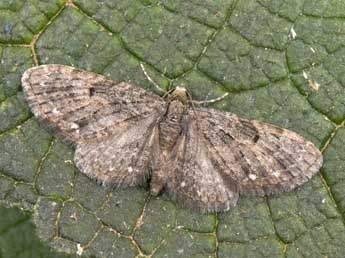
(194, 180)
(121, 160)
(262, 158)
(93, 112)
(81, 105)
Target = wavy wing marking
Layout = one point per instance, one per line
(81, 105)
(264, 159)
(110, 123)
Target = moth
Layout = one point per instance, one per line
(202, 158)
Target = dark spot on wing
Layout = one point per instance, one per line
(83, 122)
(247, 129)
(226, 137)
(92, 92)
(256, 138)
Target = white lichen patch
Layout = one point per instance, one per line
(80, 250)
(305, 75)
(293, 33)
(73, 216)
(180, 251)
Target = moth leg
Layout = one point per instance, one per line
(151, 80)
(211, 100)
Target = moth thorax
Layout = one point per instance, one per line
(170, 126)
(180, 93)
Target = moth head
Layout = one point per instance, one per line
(181, 94)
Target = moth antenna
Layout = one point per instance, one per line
(151, 80)
(211, 100)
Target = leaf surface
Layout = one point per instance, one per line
(280, 61)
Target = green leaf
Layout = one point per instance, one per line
(21, 20)
(281, 61)
(17, 237)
